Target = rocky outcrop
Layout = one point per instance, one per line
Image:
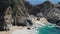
(48, 10)
(44, 6)
(19, 10)
(20, 13)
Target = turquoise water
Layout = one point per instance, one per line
(48, 29)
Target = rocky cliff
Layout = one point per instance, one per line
(50, 11)
(21, 9)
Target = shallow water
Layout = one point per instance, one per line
(48, 29)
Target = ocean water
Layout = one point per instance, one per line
(48, 29)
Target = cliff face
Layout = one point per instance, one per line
(18, 12)
(50, 11)
(20, 6)
(22, 9)
(45, 6)
(47, 10)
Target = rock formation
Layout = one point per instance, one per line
(19, 10)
